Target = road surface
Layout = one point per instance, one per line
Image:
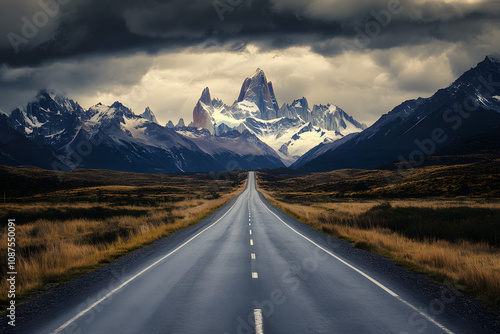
(250, 268)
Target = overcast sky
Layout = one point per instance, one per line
(366, 56)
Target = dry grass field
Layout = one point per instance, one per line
(479, 180)
(453, 239)
(442, 221)
(62, 234)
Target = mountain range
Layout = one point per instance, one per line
(65, 136)
(291, 130)
(419, 128)
(54, 132)
(251, 134)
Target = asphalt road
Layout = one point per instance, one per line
(250, 268)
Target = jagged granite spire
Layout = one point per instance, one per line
(202, 117)
(256, 90)
(181, 123)
(205, 96)
(149, 115)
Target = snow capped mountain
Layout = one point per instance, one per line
(149, 115)
(289, 137)
(256, 99)
(137, 144)
(417, 128)
(51, 119)
(48, 114)
(252, 133)
(16, 149)
(114, 137)
(291, 130)
(329, 117)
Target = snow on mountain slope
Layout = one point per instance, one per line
(290, 130)
(121, 124)
(256, 99)
(49, 113)
(114, 137)
(16, 149)
(290, 138)
(50, 119)
(149, 115)
(417, 128)
(133, 143)
(322, 149)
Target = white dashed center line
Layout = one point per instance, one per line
(255, 275)
(258, 321)
(109, 294)
(251, 242)
(250, 232)
(253, 256)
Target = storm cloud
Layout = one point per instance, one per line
(105, 49)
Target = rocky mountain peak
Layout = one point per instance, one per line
(121, 109)
(493, 58)
(258, 93)
(202, 112)
(205, 96)
(181, 123)
(291, 130)
(149, 115)
(273, 96)
(258, 72)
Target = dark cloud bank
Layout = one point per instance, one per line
(40, 39)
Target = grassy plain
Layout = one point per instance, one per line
(69, 228)
(424, 221)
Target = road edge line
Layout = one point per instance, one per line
(380, 285)
(112, 292)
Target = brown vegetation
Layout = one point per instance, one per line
(63, 234)
(479, 180)
(455, 240)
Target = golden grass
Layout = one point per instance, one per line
(55, 251)
(360, 206)
(470, 267)
(478, 180)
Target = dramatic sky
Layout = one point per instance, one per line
(366, 56)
